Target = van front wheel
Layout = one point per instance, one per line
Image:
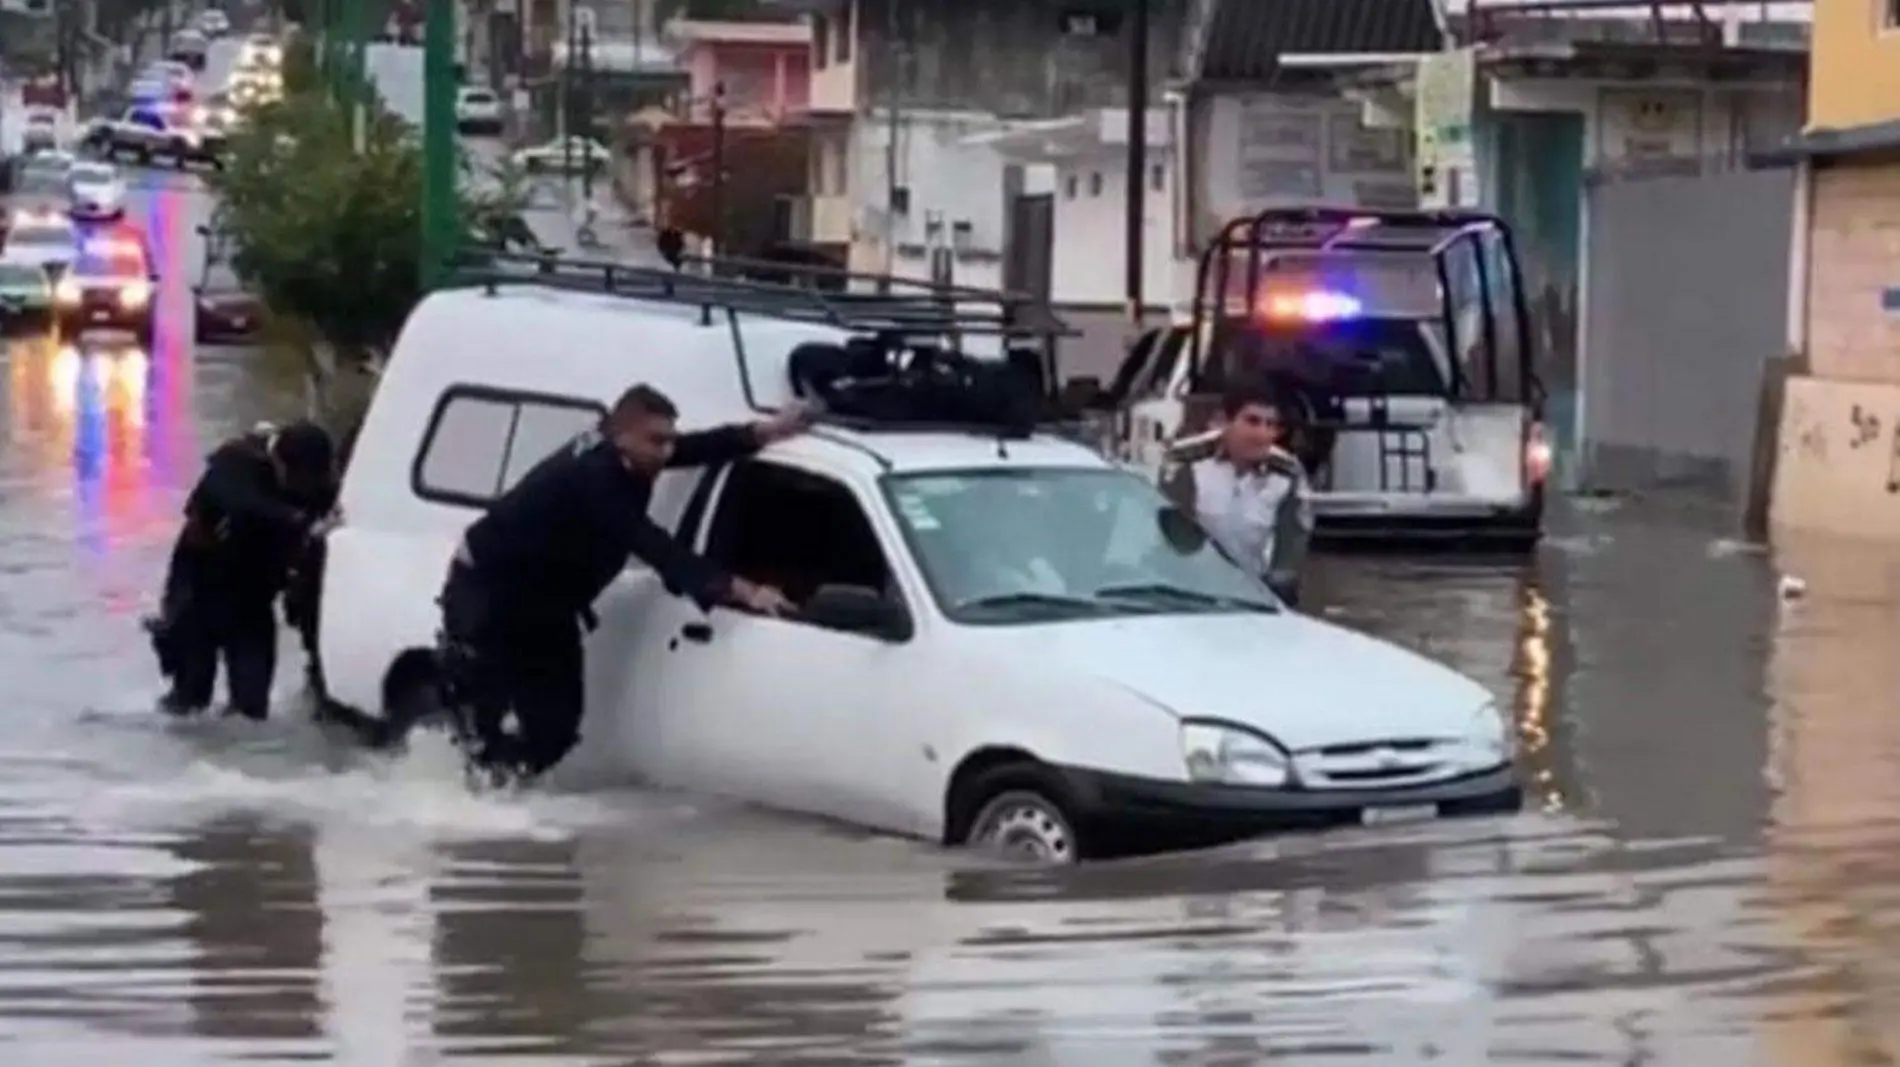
(1025, 817)
(415, 703)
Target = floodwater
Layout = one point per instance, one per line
(1708, 874)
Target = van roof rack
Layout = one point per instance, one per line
(797, 292)
(1353, 229)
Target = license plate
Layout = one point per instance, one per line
(1398, 813)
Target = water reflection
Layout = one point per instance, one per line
(256, 933)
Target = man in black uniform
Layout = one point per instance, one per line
(261, 497)
(526, 575)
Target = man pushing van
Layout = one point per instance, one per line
(524, 580)
(262, 497)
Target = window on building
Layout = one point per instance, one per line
(1158, 177)
(841, 41)
(1068, 187)
(820, 41)
(1890, 14)
(1095, 183)
(481, 441)
(900, 200)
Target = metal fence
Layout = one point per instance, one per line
(1684, 299)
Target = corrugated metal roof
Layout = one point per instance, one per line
(1245, 38)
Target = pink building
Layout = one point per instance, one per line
(765, 68)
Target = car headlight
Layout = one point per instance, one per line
(1231, 755)
(68, 292)
(135, 294)
(1492, 732)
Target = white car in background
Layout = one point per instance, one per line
(570, 154)
(260, 50)
(214, 23)
(477, 111)
(40, 131)
(48, 241)
(98, 191)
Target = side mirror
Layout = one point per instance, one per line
(1180, 531)
(1081, 395)
(856, 609)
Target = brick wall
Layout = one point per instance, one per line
(1854, 255)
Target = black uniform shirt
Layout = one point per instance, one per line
(551, 544)
(240, 516)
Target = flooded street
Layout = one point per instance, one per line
(1708, 874)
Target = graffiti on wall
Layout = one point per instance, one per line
(1853, 489)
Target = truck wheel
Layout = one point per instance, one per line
(415, 703)
(1023, 812)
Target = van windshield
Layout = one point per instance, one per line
(1002, 547)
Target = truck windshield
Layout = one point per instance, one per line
(1002, 547)
(20, 276)
(1356, 357)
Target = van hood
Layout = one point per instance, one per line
(39, 255)
(1303, 682)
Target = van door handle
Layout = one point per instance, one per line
(698, 633)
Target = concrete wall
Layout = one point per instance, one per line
(944, 173)
(1852, 333)
(1010, 57)
(1684, 276)
(1091, 230)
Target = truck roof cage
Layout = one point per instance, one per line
(796, 292)
(1353, 229)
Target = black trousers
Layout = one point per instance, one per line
(515, 673)
(214, 611)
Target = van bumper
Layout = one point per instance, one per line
(1140, 811)
(1474, 530)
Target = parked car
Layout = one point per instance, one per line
(478, 111)
(39, 132)
(571, 155)
(1002, 638)
(26, 293)
(225, 312)
(190, 48)
(214, 23)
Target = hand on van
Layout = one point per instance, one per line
(763, 599)
(790, 421)
(326, 523)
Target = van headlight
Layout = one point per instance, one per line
(68, 293)
(1492, 733)
(1224, 754)
(135, 294)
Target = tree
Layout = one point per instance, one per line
(322, 213)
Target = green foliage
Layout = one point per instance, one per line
(324, 229)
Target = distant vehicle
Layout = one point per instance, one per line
(477, 111)
(109, 287)
(162, 84)
(189, 47)
(40, 184)
(214, 23)
(43, 92)
(260, 50)
(26, 293)
(173, 71)
(573, 154)
(40, 131)
(98, 192)
(148, 133)
(46, 241)
(226, 312)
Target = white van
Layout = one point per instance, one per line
(1005, 638)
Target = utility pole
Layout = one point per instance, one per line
(356, 26)
(719, 168)
(1137, 181)
(439, 221)
(570, 55)
(586, 108)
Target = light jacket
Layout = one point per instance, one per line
(1262, 517)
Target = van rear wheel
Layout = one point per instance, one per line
(1024, 815)
(416, 704)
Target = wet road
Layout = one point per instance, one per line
(1710, 876)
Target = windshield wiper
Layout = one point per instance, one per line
(1036, 600)
(1181, 595)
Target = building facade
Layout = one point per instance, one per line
(1837, 460)
(759, 72)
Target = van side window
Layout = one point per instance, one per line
(794, 530)
(480, 441)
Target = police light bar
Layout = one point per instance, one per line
(1314, 306)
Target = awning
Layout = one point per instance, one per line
(1073, 136)
(1823, 143)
